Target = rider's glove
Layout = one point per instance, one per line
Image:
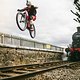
(18, 10)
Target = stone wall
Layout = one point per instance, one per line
(12, 55)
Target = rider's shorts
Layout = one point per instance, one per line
(34, 18)
(31, 18)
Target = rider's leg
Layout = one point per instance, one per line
(28, 22)
(33, 18)
(31, 21)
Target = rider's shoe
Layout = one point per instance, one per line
(31, 28)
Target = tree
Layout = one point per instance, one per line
(75, 1)
(77, 13)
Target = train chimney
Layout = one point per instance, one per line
(78, 29)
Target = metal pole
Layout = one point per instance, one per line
(2, 38)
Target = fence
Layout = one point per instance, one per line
(19, 41)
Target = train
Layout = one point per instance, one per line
(73, 52)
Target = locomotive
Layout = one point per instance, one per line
(73, 52)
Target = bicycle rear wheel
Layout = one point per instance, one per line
(21, 21)
(32, 31)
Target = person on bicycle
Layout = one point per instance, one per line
(31, 9)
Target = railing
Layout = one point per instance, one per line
(19, 41)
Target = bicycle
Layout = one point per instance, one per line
(23, 23)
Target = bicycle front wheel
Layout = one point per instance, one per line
(21, 21)
(32, 31)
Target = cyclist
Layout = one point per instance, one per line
(31, 9)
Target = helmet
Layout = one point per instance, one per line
(28, 3)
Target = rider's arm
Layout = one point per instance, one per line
(21, 10)
(36, 7)
(35, 12)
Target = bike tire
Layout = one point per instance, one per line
(18, 24)
(32, 32)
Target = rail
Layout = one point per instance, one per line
(36, 70)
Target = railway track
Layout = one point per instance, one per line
(23, 72)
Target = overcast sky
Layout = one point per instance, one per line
(54, 22)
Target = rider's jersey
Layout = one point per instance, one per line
(31, 11)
